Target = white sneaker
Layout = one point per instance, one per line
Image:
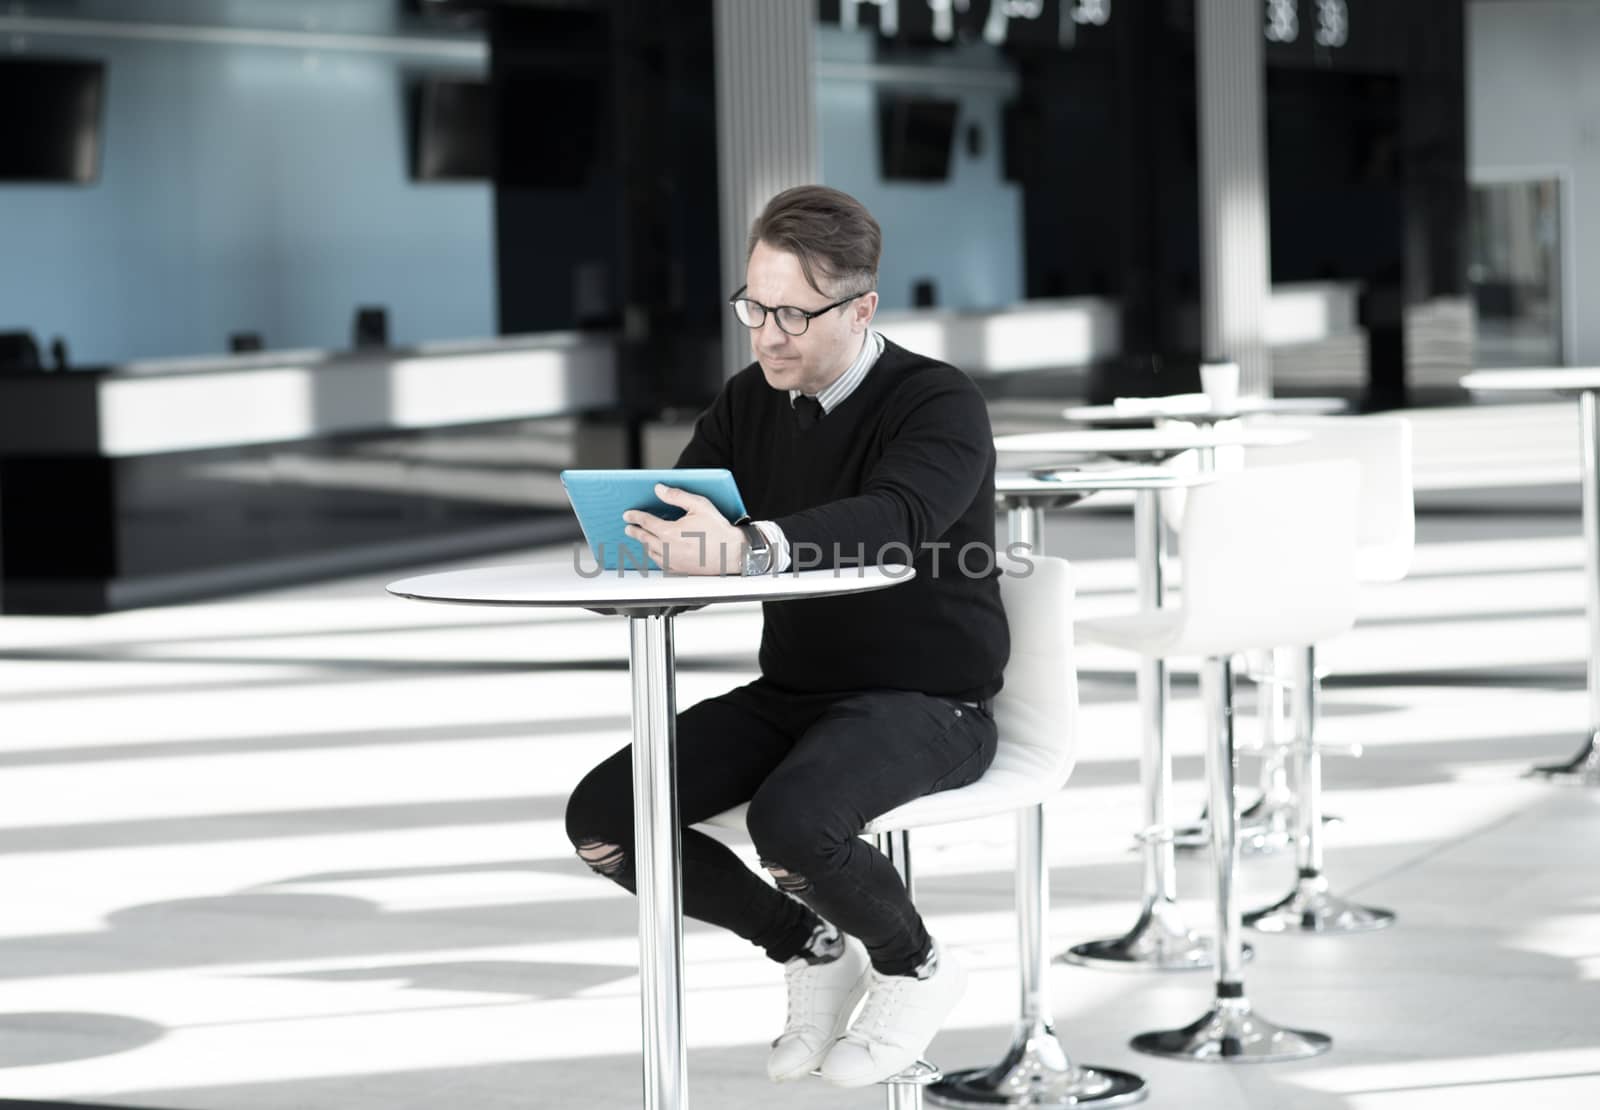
(821, 999)
(895, 1026)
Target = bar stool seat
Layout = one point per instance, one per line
(1016, 779)
(1036, 713)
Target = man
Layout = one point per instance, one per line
(849, 449)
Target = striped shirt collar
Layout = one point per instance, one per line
(833, 396)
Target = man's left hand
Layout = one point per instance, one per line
(701, 541)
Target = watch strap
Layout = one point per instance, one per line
(758, 551)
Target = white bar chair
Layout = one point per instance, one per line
(1385, 542)
(1037, 714)
(1265, 825)
(1268, 559)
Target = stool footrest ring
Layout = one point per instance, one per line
(920, 1074)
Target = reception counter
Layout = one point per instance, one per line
(158, 481)
(1050, 346)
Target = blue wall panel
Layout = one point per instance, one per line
(966, 232)
(244, 188)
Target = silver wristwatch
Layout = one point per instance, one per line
(757, 551)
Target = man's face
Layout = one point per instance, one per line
(812, 361)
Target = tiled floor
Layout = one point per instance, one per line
(303, 849)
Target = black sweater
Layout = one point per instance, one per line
(906, 459)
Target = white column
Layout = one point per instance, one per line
(766, 127)
(1234, 267)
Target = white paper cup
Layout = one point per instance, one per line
(1220, 383)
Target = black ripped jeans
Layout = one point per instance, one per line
(815, 769)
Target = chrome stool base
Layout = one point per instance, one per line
(1232, 1033)
(1582, 769)
(1037, 1073)
(1309, 908)
(981, 1088)
(1159, 942)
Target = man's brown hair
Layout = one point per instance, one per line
(831, 233)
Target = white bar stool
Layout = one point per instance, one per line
(1268, 559)
(1037, 715)
(1385, 541)
(1263, 826)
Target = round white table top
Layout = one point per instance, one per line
(1154, 442)
(1068, 481)
(563, 584)
(1557, 379)
(1198, 407)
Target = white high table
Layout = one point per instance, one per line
(1197, 409)
(1142, 444)
(649, 600)
(1584, 383)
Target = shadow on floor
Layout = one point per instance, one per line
(30, 1040)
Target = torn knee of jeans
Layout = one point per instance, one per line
(787, 881)
(602, 858)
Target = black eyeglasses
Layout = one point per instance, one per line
(791, 320)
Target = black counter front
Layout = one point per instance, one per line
(164, 481)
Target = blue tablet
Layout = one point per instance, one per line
(600, 497)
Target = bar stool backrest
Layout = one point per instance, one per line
(1224, 460)
(1036, 711)
(1386, 527)
(1268, 558)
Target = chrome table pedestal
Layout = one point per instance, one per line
(1310, 907)
(1160, 940)
(1583, 769)
(1230, 1031)
(658, 851)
